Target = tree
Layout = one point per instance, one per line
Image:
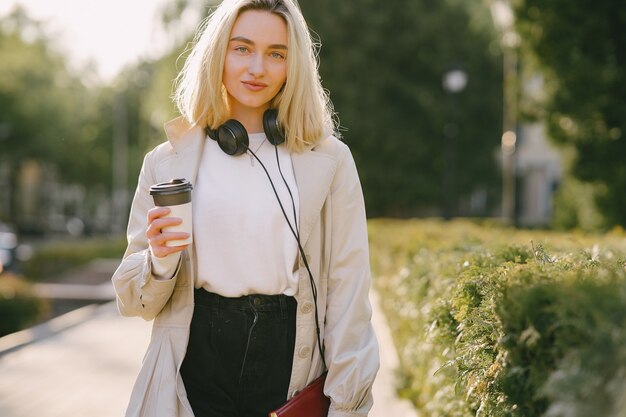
(581, 49)
(31, 100)
(47, 115)
(418, 149)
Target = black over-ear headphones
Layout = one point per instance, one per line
(232, 137)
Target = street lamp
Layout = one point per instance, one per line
(454, 81)
(504, 19)
(119, 168)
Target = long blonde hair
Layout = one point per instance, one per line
(304, 108)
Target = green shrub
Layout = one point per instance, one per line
(575, 206)
(492, 321)
(18, 307)
(565, 338)
(58, 256)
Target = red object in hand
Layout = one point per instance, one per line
(310, 402)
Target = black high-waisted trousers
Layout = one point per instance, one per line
(240, 353)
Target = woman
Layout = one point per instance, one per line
(279, 234)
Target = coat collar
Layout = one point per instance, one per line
(187, 142)
(179, 131)
(313, 170)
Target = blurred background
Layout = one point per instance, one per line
(511, 110)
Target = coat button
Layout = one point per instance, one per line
(307, 307)
(304, 352)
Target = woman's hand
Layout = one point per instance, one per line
(158, 238)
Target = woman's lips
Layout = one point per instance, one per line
(253, 85)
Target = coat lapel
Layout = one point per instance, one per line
(188, 145)
(314, 172)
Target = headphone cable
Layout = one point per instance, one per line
(300, 248)
(293, 204)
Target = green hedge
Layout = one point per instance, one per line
(18, 308)
(491, 321)
(57, 256)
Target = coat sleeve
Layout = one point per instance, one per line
(138, 292)
(351, 347)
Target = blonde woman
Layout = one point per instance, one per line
(279, 250)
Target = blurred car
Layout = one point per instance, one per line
(8, 244)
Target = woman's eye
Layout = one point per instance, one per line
(277, 55)
(242, 49)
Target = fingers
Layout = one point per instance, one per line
(156, 213)
(161, 250)
(157, 222)
(157, 234)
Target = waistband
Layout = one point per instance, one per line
(258, 302)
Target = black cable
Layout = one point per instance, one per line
(293, 204)
(300, 249)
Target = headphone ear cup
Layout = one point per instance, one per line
(232, 138)
(274, 133)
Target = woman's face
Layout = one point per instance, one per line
(255, 67)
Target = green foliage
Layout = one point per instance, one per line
(581, 48)
(416, 146)
(42, 105)
(47, 115)
(575, 206)
(564, 339)
(18, 307)
(59, 256)
(491, 321)
(65, 124)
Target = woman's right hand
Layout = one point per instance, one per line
(158, 238)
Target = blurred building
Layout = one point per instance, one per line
(40, 203)
(539, 172)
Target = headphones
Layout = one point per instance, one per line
(233, 139)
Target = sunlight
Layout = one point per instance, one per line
(110, 34)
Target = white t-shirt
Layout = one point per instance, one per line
(243, 243)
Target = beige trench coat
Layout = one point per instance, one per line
(334, 236)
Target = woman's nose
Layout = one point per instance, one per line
(255, 66)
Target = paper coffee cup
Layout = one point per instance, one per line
(176, 195)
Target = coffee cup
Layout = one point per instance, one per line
(175, 195)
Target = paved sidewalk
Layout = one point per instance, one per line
(88, 368)
(386, 401)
